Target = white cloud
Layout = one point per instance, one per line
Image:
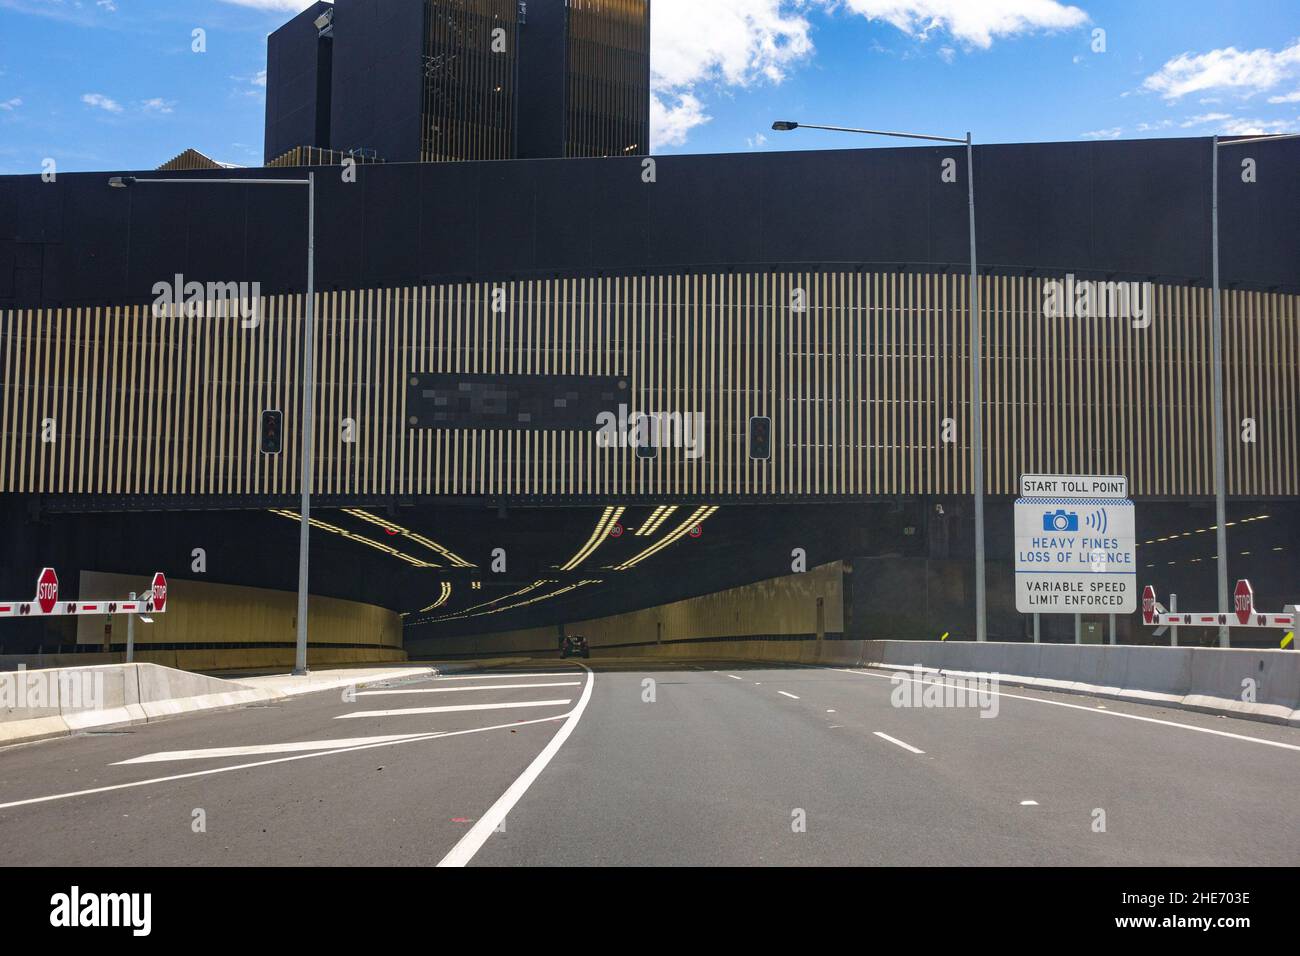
(157, 105)
(1286, 98)
(755, 141)
(1257, 127)
(1150, 127)
(975, 23)
(10, 105)
(108, 6)
(100, 101)
(735, 43)
(1111, 133)
(1244, 71)
(259, 78)
(671, 122)
(1204, 118)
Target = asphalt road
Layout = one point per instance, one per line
(653, 763)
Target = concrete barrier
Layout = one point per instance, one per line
(55, 702)
(1254, 684)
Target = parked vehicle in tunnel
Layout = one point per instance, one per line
(574, 645)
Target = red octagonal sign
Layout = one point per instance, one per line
(47, 590)
(1243, 601)
(159, 592)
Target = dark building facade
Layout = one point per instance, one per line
(447, 80)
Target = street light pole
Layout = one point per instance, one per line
(976, 408)
(976, 370)
(1216, 333)
(1216, 322)
(308, 374)
(308, 407)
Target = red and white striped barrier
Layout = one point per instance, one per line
(47, 603)
(1243, 613)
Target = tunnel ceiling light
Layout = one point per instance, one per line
(496, 600)
(444, 592)
(657, 517)
(455, 560)
(608, 518)
(698, 516)
(353, 536)
(508, 607)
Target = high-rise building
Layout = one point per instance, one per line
(443, 80)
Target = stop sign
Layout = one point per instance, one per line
(1148, 604)
(1243, 601)
(159, 591)
(47, 590)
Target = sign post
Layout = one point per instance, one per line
(1075, 546)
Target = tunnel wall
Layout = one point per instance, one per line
(217, 626)
(778, 607)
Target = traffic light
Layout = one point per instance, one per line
(272, 432)
(760, 438)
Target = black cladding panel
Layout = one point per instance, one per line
(514, 402)
(297, 85)
(1123, 210)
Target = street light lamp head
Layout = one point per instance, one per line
(121, 182)
(784, 125)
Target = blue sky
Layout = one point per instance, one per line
(99, 84)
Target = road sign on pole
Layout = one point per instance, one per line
(159, 591)
(1243, 601)
(1075, 555)
(47, 590)
(1243, 597)
(47, 603)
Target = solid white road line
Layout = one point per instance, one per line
(471, 842)
(266, 763)
(1093, 710)
(791, 696)
(412, 711)
(254, 750)
(895, 740)
(452, 690)
(499, 676)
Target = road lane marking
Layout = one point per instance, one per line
(257, 749)
(471, 842)
(452, 690)
(1029, 803)
(895, 740)
(413, 711)
(443, 677)
(1093, 710)
(266, 763)
(734, 677)
(791, 696)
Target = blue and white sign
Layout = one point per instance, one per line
(1075, 555)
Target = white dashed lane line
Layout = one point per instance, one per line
(895, 740)
(791, 696)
